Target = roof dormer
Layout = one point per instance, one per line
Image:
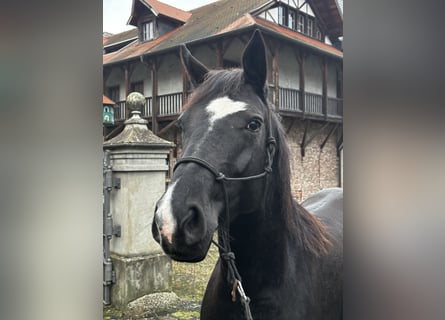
(154, 18)
(318, 19)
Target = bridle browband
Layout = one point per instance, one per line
(225, 251)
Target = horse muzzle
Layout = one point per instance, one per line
(184, 236)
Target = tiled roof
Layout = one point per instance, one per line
(311, 42)
(120, 37)
(216, 19)
(168, 11)
(210, 20)
(106, 100)
(330, 12)
(134, 49)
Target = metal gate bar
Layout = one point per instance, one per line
(109, 276)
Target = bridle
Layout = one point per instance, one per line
(225, 251)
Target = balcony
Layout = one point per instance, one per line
(168, 105)
(289, 102)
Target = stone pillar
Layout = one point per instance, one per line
(139, 159)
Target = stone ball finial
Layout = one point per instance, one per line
(135, 101)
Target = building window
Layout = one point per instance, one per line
(147, 31)
(292, 19)
(113, 93)
(317, 33)
(310, 28)
(137, 87)
(282, 16)
(300, 23)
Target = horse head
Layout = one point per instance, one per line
(226, 132)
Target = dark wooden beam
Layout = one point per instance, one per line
(334, 127)
(219, 55)
(106, 74)
(339, 139)
(324, 103)
(339, 82)
(276, 77)
(303, 141)
(167, 128)
(301, 56)
(127, 88)
(154, 79)
(306, 139)
(185, 85)
(293, 121)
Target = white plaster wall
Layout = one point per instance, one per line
(206, 55)
(142, 72)
(274, 13)
(234, 51)
(170, 75)
(288, 69)
(313, 79)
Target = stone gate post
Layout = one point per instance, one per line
(139, 159)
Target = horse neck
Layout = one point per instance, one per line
(261, 236)
(282, 231)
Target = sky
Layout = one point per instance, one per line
(117, 12)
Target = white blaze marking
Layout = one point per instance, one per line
(222, 107)
(165, 214)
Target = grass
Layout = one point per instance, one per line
(190, 279)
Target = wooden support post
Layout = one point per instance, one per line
(324, 104)
(154, 79)
(219, 55)
(303, 142)
(106, 74)
(184, 85)
(340, 90)
(300, 59)
(127, 88)
(276, 76)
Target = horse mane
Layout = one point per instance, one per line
(303, 227)
(217, 83)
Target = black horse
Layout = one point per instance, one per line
(234, 178)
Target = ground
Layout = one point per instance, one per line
(189, 281)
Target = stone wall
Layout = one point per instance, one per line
(318, 169)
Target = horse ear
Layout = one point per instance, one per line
(195, 69)
(254, 62)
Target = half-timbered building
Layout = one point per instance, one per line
(304, 43)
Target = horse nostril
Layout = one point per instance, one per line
(193, 226)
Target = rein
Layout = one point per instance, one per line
(225, 252)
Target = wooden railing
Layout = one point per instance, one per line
(289, 101)
(335, 107)
(170, 104)
(148, 107)
(313, 103)
(119, 111)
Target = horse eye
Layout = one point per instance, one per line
(254, 125)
